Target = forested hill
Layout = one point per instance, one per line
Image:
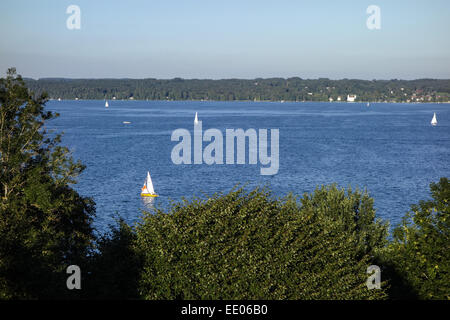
(273, 89)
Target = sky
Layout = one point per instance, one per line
(212, 39)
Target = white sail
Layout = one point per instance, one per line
(368, 104)
(106, 104)
(196, 119)
(434, 120)
(148, 185)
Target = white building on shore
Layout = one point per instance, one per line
(351, 97)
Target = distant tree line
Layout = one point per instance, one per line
(273, 89)
(239, 245)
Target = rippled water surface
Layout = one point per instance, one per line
(391, 149)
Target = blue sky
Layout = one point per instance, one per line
(226, 39)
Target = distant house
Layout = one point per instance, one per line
(351, 97)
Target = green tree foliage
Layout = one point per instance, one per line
(248, 245)
(420, 252)
(44, 224)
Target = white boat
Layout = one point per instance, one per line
(196, 119)
(434, 120)
(106, 104)
(368, 104)
(126, 122)
(147, 189)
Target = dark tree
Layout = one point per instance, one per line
(45, 225)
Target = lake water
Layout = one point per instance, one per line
(391, 149)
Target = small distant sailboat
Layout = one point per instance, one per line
(106, 104)
(147, 189)
(368, 104)
(434, 120)
(196, 119)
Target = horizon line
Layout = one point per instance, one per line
(220, 79)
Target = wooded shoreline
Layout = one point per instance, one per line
(273, 89)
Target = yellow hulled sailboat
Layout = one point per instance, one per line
(147, 189)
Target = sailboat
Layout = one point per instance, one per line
(147, 189)
(106, 104)
(196, 119)
(368, 104)
(434, 120)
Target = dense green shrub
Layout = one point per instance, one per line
(420, 251)
(248, 245)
